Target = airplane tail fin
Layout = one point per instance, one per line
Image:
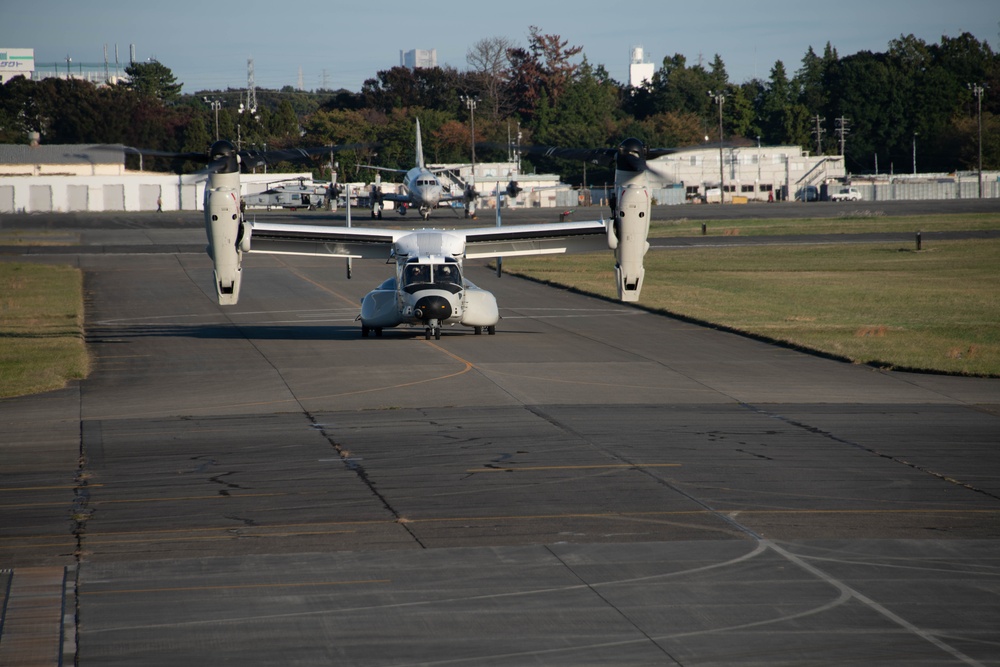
(420, 148)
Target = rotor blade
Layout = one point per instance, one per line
(255, 158)
(196, 157)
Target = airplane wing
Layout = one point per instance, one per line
(359, 242)
(391, 196)
(376, 243)
(543, 239)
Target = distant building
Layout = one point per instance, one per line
(61, 159)
(16, 62)
(640, 72)
(418, 58)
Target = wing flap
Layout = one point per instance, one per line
(359, 242)
(546, 239)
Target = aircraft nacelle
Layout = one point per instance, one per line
(226, 235)
(627, 237)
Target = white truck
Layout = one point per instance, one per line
(846, 194)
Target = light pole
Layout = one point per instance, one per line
(977, 90)
(758, 158)
(470, 102)
(216, 104)
(915, 153)
(719, 99)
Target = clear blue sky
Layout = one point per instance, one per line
(207, 43)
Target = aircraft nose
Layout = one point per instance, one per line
(432, 307)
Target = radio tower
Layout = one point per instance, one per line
(251, 88)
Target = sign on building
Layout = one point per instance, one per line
(16, 62)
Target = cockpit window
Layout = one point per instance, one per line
(437, 274)
(447, 274)
(416, 273)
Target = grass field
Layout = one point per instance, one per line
(860, 222)
(41, 328)
(883, 304)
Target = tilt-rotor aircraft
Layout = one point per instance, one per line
(428, 288)
(422, 189)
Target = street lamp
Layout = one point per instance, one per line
(915, 153)
(719, 98)
(977, 90)
(216, 104)
(470, 103)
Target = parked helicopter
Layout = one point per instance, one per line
(422, 189)
(294, 194)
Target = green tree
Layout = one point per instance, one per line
(153, 79)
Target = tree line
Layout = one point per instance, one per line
(881, 109)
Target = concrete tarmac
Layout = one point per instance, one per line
(594, 485)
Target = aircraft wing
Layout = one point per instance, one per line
(391, 196)
(376, 243)
(544, 239)
(359, 242)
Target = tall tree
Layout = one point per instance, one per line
(490, 67)
(153, 79)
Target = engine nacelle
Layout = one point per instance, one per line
(628, 239)
(226, 235)
(480, 307)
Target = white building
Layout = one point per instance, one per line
(640, 72)
(418, 58)
(78, 178)
(16, 62)
(751, 172)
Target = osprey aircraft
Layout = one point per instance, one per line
(428, 287)
(422, 189)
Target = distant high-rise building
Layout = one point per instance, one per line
(640, 72)
(418, 58)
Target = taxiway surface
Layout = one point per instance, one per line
(595, 484)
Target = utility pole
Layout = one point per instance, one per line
(719, 98)
(819, 132)
(977, 90)
(842, 132)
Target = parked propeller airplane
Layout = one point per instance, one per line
(421, 189)
(428, 288)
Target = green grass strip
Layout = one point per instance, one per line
(857, 222)
(41, 328)
(883, 304)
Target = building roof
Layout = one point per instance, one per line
(77, 154)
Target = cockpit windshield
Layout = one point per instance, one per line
(442, 276)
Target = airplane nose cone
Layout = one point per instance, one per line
(433, 307)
